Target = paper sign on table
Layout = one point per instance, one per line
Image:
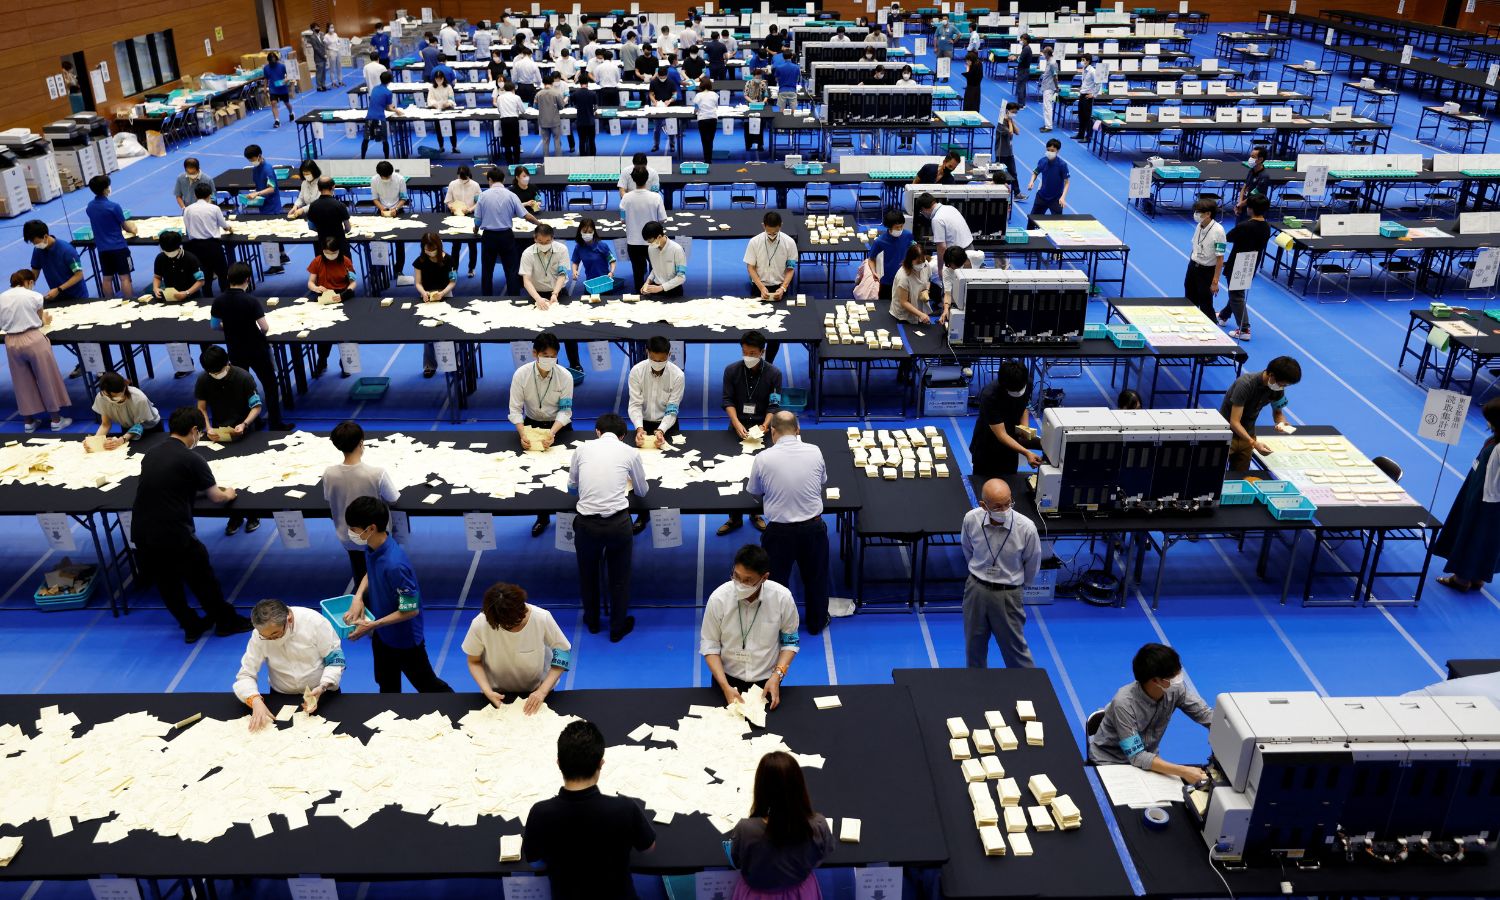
(181, 356)
(479, 530)
(564, 539)
(293, 529)
(1443, 416)
(666, 528)
(57, 530)
(313, 888)
(520, 353)
(599, 356)
(1243, 273)
(877, 883)
(526, 887)
(1140, 182)
(678, 353)
(1315, 181)
(92, 357)
(114, 889)
(445, 355)
(127, 518)
(712, 885)
(349, 357)
(1486, 268)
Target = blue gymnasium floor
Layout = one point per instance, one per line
(1225, 622)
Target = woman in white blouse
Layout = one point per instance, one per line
(307, 189)
(440, 96)
(34, 374)
(706, 108)
(910, 287)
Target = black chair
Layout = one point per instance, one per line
(1390, 467)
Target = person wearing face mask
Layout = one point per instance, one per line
(175, 269)
(515, 648)
(435, 274)
(771, 261)
(890, 250)
(997, 442)
(331, 270)
(1053, 172)
(1092, 84)
(541, 396)
(241, 317)
(1047, 84)
(495, 213)
(462, 196)
(949, 229)
(167, 548)
(940, 172)
(603, 473)
(1257, 182)
(348, 481)
(1005, 152)
(121, 403)
(1025, 57)
(1205, 265)
(228, 399)
(35, 378)
(789, 477)
(302, 652)
(592, 258)
(205, 225)
(909, 290)
(667, 263)
(545, 275)
(1251, 393)
(1129, 730)
(307, 188)
(750, 629)
(752, 393)
(390, 593)
(107, 218)
(973, 80)
(656, 387)
(1003, 555)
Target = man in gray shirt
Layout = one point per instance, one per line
(1003, 554)
(350, 480)
(1047, 84)
(549, 106)
(1131, 726)
(1251, 393)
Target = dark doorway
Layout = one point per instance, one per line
(76, 80)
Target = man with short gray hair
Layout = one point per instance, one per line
(1003, 555)
(302, 652)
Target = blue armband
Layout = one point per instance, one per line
(198, 275)
(561, 659)
(254, 401)
(1281, 403)
(334, 658)
(680, 270)
(791, 264)
(775, 400)
(791, 639)
(671, 409)
(216, 323)
(137, 429)
(562, 270)
(1132, 745)
(565, 403)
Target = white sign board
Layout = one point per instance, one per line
(349, 357)
(1140, 182)
(714, 885)
(666, 528)
(526, 887)
(313, 888)
(1244, 271)
(92, 357)
(1443, 416)
(181, 356)
(293, 530)
(479, 530)
(877, 883)
(564, 539)
(599, 356)
(57, 530)
(445, 355)
(1315, 182)
(1406, 55)
(1486, 268)
(114, 889)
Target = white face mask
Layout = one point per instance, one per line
(174, 254)
(1201, 217)
(586, 236)
(118, 399)
(751, 361)
(743, 591)
(999, 517)
(217, 376)
(545, 363)
(1017, 394)
(1052, 154)
(330, 255)
(1275, 387)
(897, 232)
(1177, 679)
(356, 537)
(658, 368)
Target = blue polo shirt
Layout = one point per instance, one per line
(393, 588)
(264, 176)
(593, 259)
(431, 56)
(381, 42)
(787, 74)
(108, 221)
(1051, 173)
(892, 252)
(381, 99)
(57, 264)
(276, 79)
(448, 73)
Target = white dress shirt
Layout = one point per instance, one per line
(653, 181)
(524, 70)
(774, 261)
(509, 104)
(668, 265)
(373, 71)
(655, 398)
(637, 208)
(949, 227)
(547, 399)
(606, 72)
(1093, 81)
(706, 105)
(203, 220)
(448, 40)
(465, 192)
(1208, 243)
(1009, 553)
(603, 471)
(747, 637)
(20, 310)
(789, 476)
(307, 655)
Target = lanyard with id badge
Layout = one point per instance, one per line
(742, 655)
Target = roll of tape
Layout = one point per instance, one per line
(1155, 818)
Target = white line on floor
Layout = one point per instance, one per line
(699, 599)
(577, 643)
(463, 596)
(932, 658)
(1271, 620)
(63, 656)
(1415, 644)
(833, 672)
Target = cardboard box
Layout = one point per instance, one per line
(253, 60)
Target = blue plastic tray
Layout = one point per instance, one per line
(334, 609)
(1095, 331)
(1237, 493)
(1265, 490)
(56, 602)
(793, 399)
(370, 387)
(602, 284)
(1292, 507)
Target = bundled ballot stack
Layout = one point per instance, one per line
(1003, 828)
(845, 325)
(713, 313)
(900, 453)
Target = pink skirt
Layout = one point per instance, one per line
(34, 374)
(807, 890)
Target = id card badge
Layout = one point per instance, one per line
(748, 409)
(742, 657)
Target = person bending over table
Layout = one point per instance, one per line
(592, 258)
(462, 195)
(435, 274)
(541, 396)
(949, 229)
(226, 394)
(394, 599)
(388, 191)
(107, 218)
(348, 481)
(331, 270)
(35, 377)
(603, 472)
(752, 392)
(656, 388)
(545, 271)
(667, 262)
(750, 629)
(911, 287)
(1470, 537)
(175, 269)
(777, 849)
(582, 836)
(239, 315)
(515, 648)
(771, 261)
(998, 442)
(1130, 729)
(1251, 393)
(891, 249)
(121, 403)
(302, 652)
(58, 262)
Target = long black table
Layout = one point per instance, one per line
(1474, 352)
(1420, 75)
(871, 739)
(1078, 863)
(1435, 258)
(1437, 38)
(1316, 28)
(1284, 138)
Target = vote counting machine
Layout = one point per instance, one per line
(1030, 307)
(985, 207)
(1131, 461)
(890, 106)
(1311, 780)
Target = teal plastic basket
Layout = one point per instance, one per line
(1291, 508)
(601, 285)
(578, 376)
(1126, 337)
(1095, 331)
(83, 233)
(57, 602)
(369, 387)
(334, 609)
(793, 399)
(1265, 490)
(1237, 493)
(1018, 236)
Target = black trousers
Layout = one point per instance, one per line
(1023, 82)
(210, 254)
(1085, 115)
(588, 134)
(458, 249)
(357, 566)
(610, 541)
(174, 568)
(499, 245)
(805, 545)
(393, 662)
(265, 373)
(510, 139)
(707, 128)
(640, 264)
(1197, 286)
(1010, 169)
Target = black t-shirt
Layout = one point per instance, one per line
(1250, 391)
(180, 273)
(646, 66)
(584, 101)
(996, 407)
(436, 273)
(1258, 181)
(585, 839)
(327, 216)
(928, 174)
(693, 67)
(662, 89)
(524, 194)
(1250, 236)
(171, 478)
(239, 312)
(228, 398)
